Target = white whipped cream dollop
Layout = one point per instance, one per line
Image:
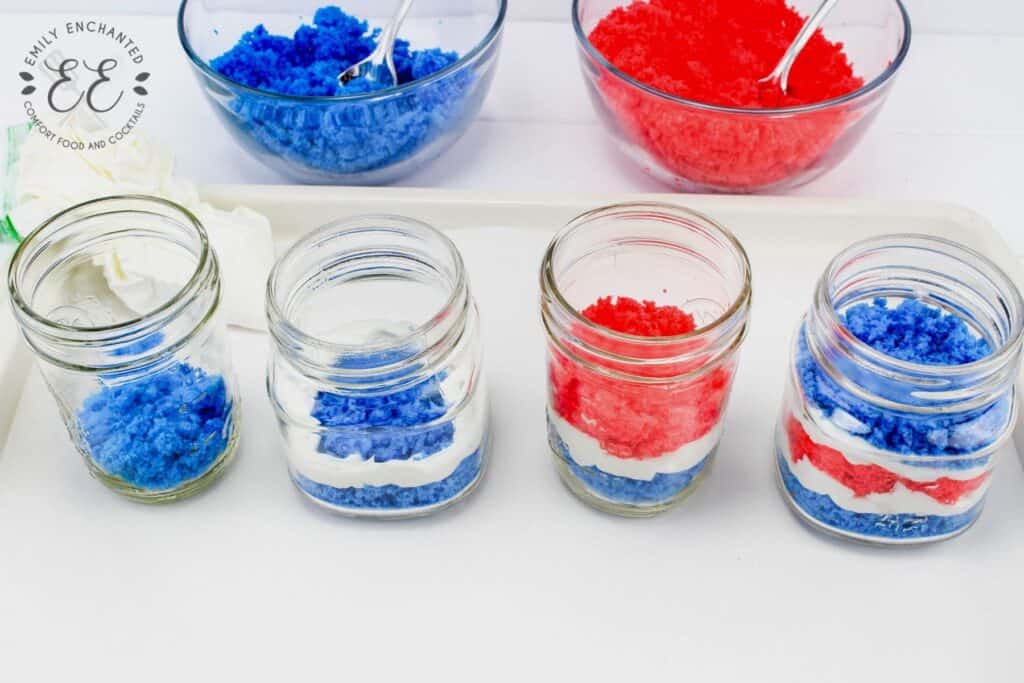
(48, 179)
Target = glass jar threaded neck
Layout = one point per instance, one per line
(369, 304)
(940, 274)
(114, 283)
(650, 252)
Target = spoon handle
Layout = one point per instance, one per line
(386, 45)
(813, 23)
(390, 33)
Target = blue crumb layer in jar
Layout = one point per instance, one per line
(392, 497)
(358, 421)
(661, 489)
(915, 332)
(418, 405)
(900, 526)
(345, 137)
(147, 343)
(161, 430)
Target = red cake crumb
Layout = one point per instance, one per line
(867, 479)
(640, 318)
(636, 419)
(715, 52)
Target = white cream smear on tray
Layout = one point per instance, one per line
(49, 179)
(587, 452)
(139, 277)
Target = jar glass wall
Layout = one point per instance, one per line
(375, 373)
(900, 391)
(118, 299)
(645, 308)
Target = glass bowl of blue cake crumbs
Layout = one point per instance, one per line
(270, 70)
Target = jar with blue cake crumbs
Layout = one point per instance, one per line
(118, 299)
(645, 307)
(375, 374)
(900, 392)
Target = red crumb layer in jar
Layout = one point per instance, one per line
(714, 52)
(640, 318)
(864, 480)
(632, 419)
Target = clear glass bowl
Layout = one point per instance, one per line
(694, 146)
(360, 139)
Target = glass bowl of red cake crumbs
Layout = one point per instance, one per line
(676, 83)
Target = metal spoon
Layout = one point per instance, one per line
(780, 75)
(382, 55)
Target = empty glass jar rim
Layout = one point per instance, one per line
(1007, 348)
(865, 89)
(457, 65)
(355, 225)
(548, 280)
(185, 291)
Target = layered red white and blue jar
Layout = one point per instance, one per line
(645, 308)
(900, 392)
(376, 374)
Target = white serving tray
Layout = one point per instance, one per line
(521, 582)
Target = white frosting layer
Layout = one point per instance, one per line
(587, 452)
(899, 500)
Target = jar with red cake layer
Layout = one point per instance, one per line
(900, 392)
(645, 307)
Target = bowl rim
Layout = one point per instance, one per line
(203, 66)
(875, 84)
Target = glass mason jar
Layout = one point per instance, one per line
(118, 299)
(375, 373)
(635, 416)
(874, 446)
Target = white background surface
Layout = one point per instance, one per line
(955, 16)
(953, 128)
(521, 583)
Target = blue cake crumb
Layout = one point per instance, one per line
(309, 63)
(393, 497)
(385, 427)
(417, 405)
(896, 526)
(662, 488)
(915, 332)
(161, 430)
(918, 333)
(147, 343)
(346, 137)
